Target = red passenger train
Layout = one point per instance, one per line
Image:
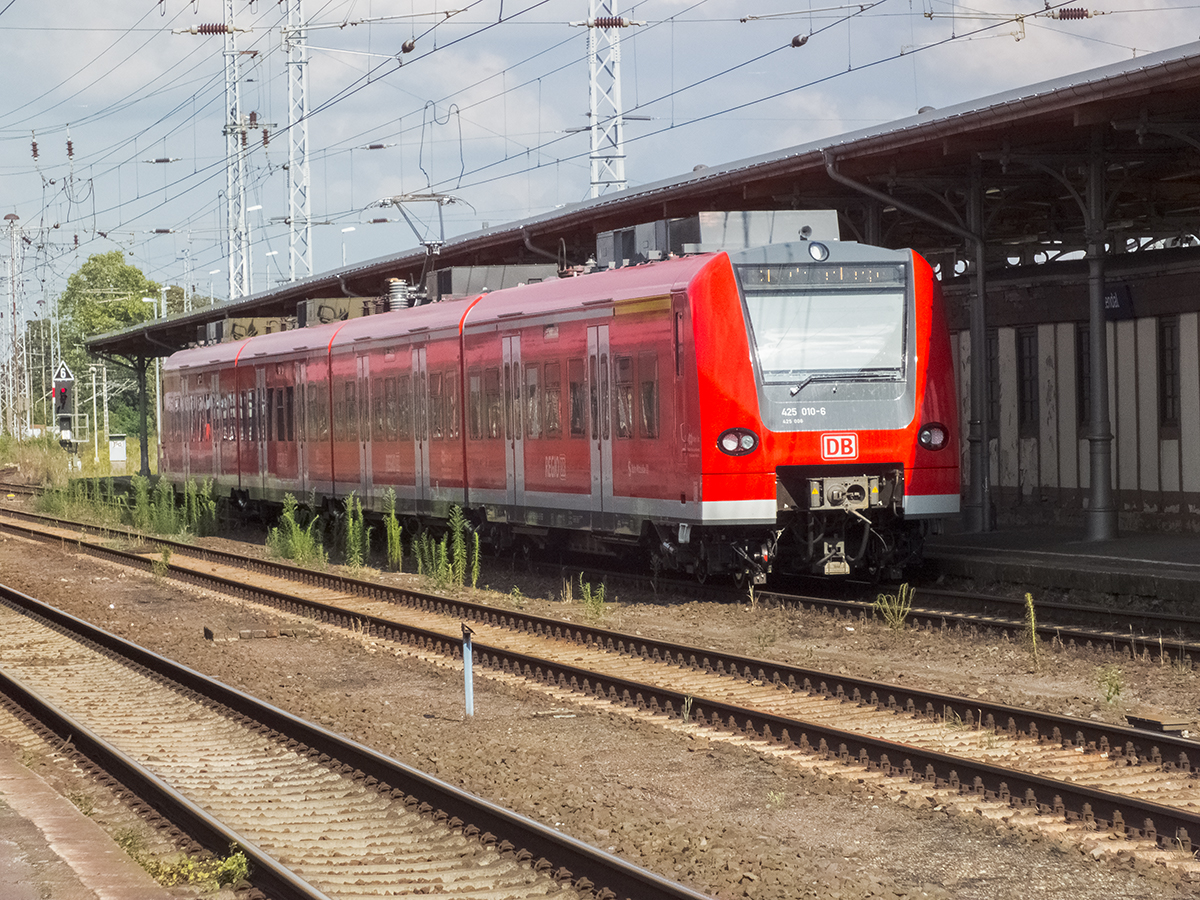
(786, 408)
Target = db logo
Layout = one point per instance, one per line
(839, 446)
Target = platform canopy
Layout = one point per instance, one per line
(1023, 154)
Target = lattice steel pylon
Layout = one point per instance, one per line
(605, 113)
(300, 263)
(235, 164)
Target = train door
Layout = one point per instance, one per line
(217, 413)
(601, 421)
(364, 425)
(259, 417)
(187, 423)
(514, 432)
(301, 413)
(420, 406)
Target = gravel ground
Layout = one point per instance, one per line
(723, 816)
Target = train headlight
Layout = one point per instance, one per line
(933, 436)
(818, 251)
(737, 441)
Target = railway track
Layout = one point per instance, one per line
(1137, 785)
(318, 815)
(1171, 638)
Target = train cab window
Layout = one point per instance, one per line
(453, 417)
(404, 404)
(390, 409)
(289, 410)
(475, 404)
(435, 407)
(623, 390)
(533, 414)
(648, 394)
(551, 392)
(577, 397)
(493, 405)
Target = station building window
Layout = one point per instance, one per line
(1168, 377)
(1027, 382)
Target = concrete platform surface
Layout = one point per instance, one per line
(49, 850)
(1166, 566)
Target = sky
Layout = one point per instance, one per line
(486, 109)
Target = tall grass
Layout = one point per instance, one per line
(392, 530)
(294, 540)
(357, 536)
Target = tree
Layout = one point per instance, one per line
(104, 295)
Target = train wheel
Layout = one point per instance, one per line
(701, 570)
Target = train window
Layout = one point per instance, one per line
(1027, 382)
(594, 395)
(270, 432)
(533, 415)
(623, 388)
(364, 411)
(377, 401)
(351, 416)
(247, 412)
(648, 394)
(577, 397)
(390, 410)
(290, 410)
(551, 392)
(474, 404)
(339, 421)
(493, 403)
(435, 406)
(512, 401)
(453, 417)
(678, 343)
(606, 410)
(404, 405)
(420, 406)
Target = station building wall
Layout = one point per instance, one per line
(1038, 364)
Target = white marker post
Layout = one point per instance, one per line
(467, 677)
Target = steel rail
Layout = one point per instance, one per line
(1171, 828)
(268, 873)
(1138, 745)
(568, 860)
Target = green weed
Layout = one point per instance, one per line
(291, 540)
(894, 609)
(1111, 682)
(592, 597)
(1031, 635)
(392, 531)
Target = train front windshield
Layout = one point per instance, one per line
(826, 321)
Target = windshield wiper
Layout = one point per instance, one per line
(861, 375)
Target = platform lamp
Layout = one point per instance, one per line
(157, 386)
(267, 270)
(344, 232)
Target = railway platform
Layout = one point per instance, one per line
(1162, 566)
(48, 848)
